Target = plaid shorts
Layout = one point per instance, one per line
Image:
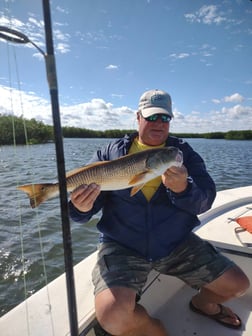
(195, 261)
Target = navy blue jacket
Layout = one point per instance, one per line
(152, 229)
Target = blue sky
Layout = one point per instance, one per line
(109, 52)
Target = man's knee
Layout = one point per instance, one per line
(113, 312)
(238, 281)
(232, 283)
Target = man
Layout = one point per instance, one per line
(153, 229)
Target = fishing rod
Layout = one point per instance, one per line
(66, 230)
(18, 37)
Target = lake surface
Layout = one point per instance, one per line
(31, 240)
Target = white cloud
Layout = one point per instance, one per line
(116, 95)
(222, 120)
(61, 36)
(112, 67)
(238, 111)
(63, 48)
(180, 55)
(34, 22)
(14, 23)
(234, 98)
(95, 114)
(207, 14)
(98, 114)
(98, 38)
(177, 114)
(34, 30)
(204, 52)
(62, 10)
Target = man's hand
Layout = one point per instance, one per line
(84, 196)
(175, 179)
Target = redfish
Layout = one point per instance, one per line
(129, 171)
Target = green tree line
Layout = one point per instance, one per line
(17, 130)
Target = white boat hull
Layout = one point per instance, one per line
(45, 313)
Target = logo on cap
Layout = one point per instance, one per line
(156, 98)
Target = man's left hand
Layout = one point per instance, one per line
(175, 179)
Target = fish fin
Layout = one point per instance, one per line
(80, 170)
(135, 189)
(138, 177)
(37, 193)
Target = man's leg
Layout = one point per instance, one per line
(232, 283)
(201, 266)
(118, 313)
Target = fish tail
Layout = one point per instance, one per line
(37, 193)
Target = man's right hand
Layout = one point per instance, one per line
(84, 196)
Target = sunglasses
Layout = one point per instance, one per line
(154, 117)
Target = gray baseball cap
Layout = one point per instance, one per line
(155, 102)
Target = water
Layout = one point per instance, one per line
(31, 239)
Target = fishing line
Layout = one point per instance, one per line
(21, 231)
(52, 82)
(43, 259)
(19, 206)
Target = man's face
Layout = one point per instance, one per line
(152, 133)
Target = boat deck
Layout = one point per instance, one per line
(167, 298)
(179, 320)
(224, 233)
